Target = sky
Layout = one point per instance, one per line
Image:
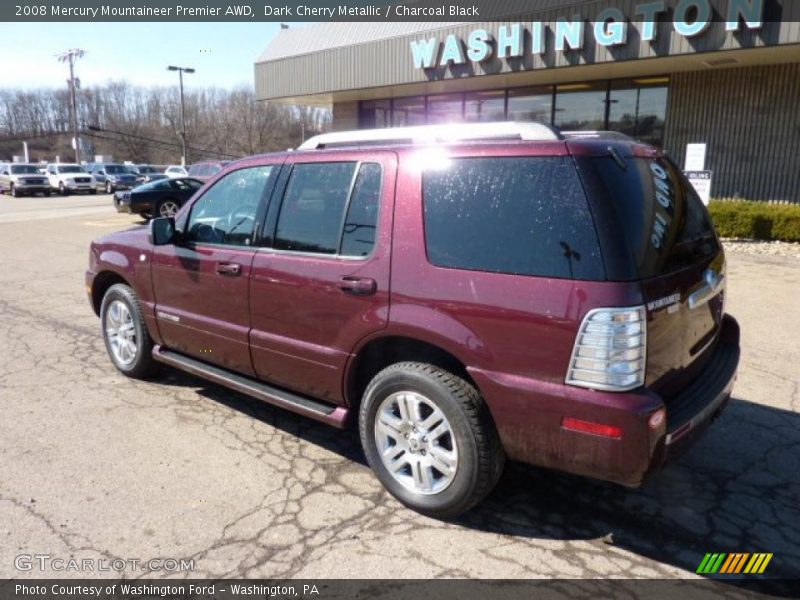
(222, 53)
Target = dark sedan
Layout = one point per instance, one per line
(161, 198)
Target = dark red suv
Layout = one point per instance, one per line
(550, 298)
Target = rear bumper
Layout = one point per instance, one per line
(529, 414)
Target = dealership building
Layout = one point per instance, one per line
(719, 78)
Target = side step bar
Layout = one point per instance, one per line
(327, 413)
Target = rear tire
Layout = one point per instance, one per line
(168, 207)
(440, 464)
(125, 334)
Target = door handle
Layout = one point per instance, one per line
(228, 269)
(358, 286)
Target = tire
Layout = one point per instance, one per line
(168, 207)
(109, 187)
(62, 188)
(469, 444)
(93, 191)
(121, 311)
(14, 192)
(47, 194)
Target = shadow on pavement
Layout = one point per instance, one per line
(736, 490)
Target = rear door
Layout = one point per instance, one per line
(677, 257)
(322, 282)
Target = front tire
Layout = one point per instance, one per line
(127, 340)
(14, 192)
(62, 189)
(109, 187)
(429, 438)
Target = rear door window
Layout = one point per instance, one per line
(661, 218)
(517, 215)
(330, 208)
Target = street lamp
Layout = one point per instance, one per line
(181, 71)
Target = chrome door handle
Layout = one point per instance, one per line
(228, 269)
(358, 286)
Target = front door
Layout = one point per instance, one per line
(321, 284)
(202, 283)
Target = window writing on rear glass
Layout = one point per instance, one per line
(660, 215)
(326, 211)
(518, 215)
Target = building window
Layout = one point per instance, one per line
(530, 104)
(636, 107)
(447, 108)
(485, 106)
(581, 106)
(408, 111)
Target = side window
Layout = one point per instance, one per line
(226, 213)
(521, 215)
(358, 236)
(313, 207)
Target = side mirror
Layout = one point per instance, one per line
(162, 231)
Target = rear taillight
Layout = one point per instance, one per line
(610, 350)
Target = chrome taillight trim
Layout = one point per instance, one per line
(604, 387)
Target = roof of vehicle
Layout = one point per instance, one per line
(63, 164)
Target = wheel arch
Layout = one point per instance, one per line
(377, 353)
(103, 281)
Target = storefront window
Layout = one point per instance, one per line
(530, 104)
(445, 108)
(408, 111)
(581, 106)
(636, 107)
(639, 108)
(485, 106)
(376, 113)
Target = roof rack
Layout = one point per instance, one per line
(597, 135)
(430, 134)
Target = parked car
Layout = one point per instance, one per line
(206, 170)
(69, 177)
(22, 179)
(162, 197)
(512, 292)
(146, 173)
(111, 177)
(176, 171)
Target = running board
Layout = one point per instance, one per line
(308, 407)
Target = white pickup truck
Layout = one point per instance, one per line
(70, 177)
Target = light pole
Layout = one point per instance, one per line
(71, 56)
(181, 71)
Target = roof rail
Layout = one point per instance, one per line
(597, 135)
(429, 134)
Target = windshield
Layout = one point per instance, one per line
(116, 169)
(70, 169)
(148, 170)
(24, 169)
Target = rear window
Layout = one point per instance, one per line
(662, 220)
(519, 215)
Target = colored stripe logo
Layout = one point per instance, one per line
(721, 563)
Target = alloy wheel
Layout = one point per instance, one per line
(416, 443)
(168, 208)
(121, 332)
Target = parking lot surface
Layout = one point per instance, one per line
(97, 466)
